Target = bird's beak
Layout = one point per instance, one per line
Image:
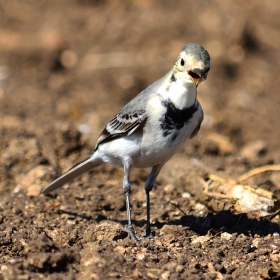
(196, 75)
(198, 72)
(196, 80)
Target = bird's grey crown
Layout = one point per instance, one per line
(198, 52)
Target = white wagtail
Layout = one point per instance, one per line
(151, 128)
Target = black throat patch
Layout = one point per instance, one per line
(174, 118)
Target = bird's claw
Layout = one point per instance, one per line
(131, 234)
(148, 234)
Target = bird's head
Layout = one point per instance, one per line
(192, 65)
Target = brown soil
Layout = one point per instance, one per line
(66, 67)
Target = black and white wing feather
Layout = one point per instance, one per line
(121, 125)
(126, 121)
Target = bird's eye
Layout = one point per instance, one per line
(182, 62)
(194, 75)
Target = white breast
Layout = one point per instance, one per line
(181, 94)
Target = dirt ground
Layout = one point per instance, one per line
(66, 67)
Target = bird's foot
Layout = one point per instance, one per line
(131, 233)
(148, 234)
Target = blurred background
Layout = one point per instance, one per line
(66, 68)
(77, 62)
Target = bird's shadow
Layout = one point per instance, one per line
(222, 221)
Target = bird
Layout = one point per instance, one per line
(150, 128)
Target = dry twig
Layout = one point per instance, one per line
(258, 170)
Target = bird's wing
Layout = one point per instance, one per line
(121, 125)
(127, 120)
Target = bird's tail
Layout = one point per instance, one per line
(76, 171)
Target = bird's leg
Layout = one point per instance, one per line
(127, 191)
(148, 187)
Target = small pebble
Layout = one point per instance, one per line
(256, 242)
(168, 188)
(226, 236)
(186, 195)
(200, 239)
(199, 207)
(165, 275)
(145, 256)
